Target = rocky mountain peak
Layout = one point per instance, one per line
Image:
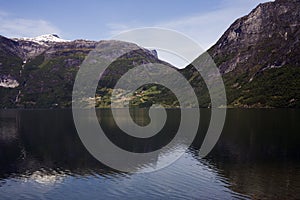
(44, 40)
(271, 27)
(33, 46)
(50, 38)
(258, 57)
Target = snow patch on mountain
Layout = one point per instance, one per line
(44, 39)
(8, 82)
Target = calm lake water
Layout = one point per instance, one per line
(257, 157)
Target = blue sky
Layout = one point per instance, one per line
(204, 21)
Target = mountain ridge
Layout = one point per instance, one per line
(258, 57)
(33, 75)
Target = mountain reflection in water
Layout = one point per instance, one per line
(257, 156)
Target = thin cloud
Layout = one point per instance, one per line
(11, 26)
(117, 28)
(205, 28)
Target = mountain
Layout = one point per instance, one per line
(40, 72)
(45, 40)
(259, 57)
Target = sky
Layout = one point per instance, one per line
(203, 21)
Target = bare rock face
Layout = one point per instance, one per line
(30, 49)
(267, 36)
(259, 58)
(11, 47)
(39, 72)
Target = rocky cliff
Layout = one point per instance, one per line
(259, 57)
(40, 72)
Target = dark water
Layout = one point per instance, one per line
(257, 157)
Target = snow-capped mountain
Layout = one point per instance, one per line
(43, 39)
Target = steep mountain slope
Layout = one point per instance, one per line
(259, 57)
(41, 74)
(45, 40)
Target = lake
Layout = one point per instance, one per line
(257, 157)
